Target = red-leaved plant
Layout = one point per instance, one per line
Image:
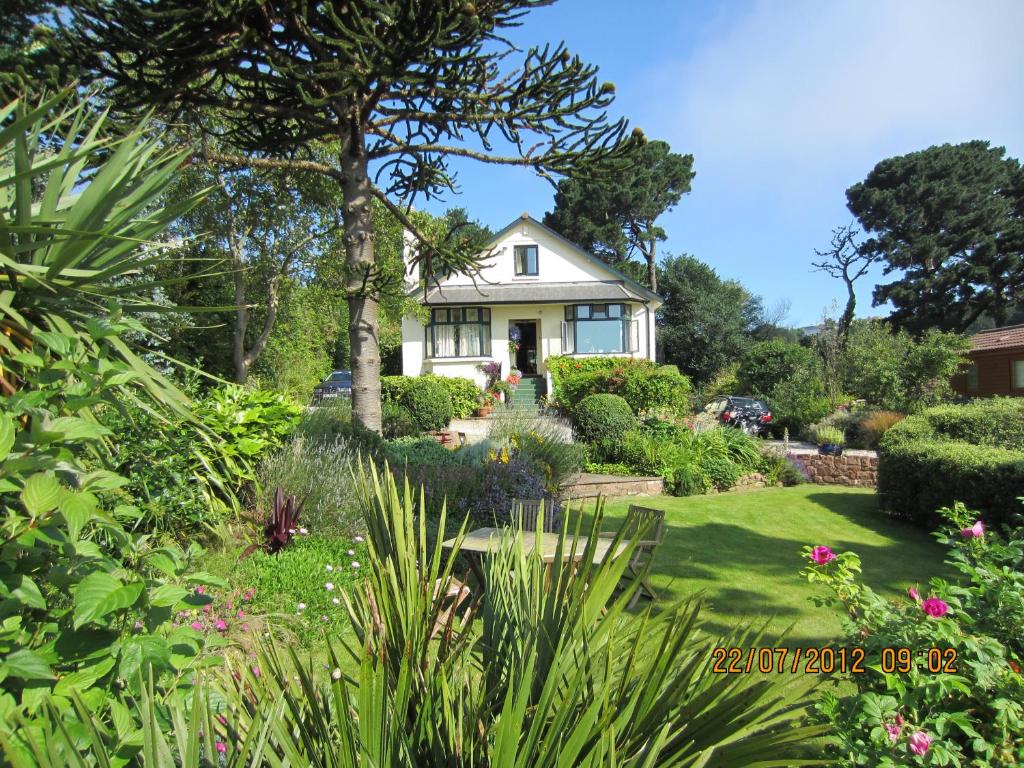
(281, 525)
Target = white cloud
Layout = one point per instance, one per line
(808, 95)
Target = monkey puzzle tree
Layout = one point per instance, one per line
(397, 87)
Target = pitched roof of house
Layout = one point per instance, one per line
(1007, 337)
(533, 293)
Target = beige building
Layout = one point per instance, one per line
(536, 286)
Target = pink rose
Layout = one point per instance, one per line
(976, 531)
(822, 555)
(894, 732)
(934, 608)
(919, 742)
(200, 590)
(196, 626)
(221, 625)
(221, 747)
(914, 595)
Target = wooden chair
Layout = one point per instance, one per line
(524, 513)
(651, 524)
(455, 594)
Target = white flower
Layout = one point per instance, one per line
(328, 586)
(303, 531)
(359, 539)
(328, 567)
(324, 618)
(351, 552)
(355, 563)
(336, 673)
(291, 530)
(301, 606)
(335, 601)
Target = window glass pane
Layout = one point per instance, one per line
(485, 315)
(582, 311)
(1018, 374)
(531, 260)
(440, 315)
(525, 259)
(972, 376)
(594, 336)
(471, 313)
(469, 340)
(614, 310)
(599, 311)
(444, 341)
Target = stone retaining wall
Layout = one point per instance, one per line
(856, 468)
(750, 482)
(590, 486)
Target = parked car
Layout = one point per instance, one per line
(746, 413)
(338, 384)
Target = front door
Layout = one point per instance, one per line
(526, 355)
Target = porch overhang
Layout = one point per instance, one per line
(534, 293)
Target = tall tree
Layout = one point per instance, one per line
(950, 221)
(705, 321)
(846, 261)
(611, 208)
(396, 86)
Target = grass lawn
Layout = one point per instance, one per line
(742, 550)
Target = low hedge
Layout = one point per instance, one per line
(603, 417)
(972, 453)
(463, 392)
(646, 386)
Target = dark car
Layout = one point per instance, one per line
(746, 413)
(338, 384)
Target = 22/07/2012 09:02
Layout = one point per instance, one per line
(828, 660)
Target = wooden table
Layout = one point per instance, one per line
(485, 541)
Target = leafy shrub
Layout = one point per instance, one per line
(543, 441)
(767, 364)
(319, 474)
(615, 468)
(419, 451)
(968, 713)
(647, 387)
(926, 463)
(722, 473)
(825, 435)
(333, 423)
(396, 421)
(798, 401)
(690, 480)
(463, 393)
(874, 425)
(603, 417)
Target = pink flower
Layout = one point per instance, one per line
(914, 595)
(221, 625)
(976, 531)
(894, 732)
(196, 626)
(934, 608)
(207, 608)
(919, 742)
(822, 555)
(230, 605)
(200, 590)
(245, 626)
(239, 614)
(221, 747)
(256, 671)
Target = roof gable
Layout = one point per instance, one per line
(1007, 337)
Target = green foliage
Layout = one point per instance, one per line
(319, 475)
(610, 210)
(798, 401)
(429, 399)
(415, 671)
(871, 428)
(603, 417)
(769, 363)
(947, 220)
(705, 323)
(333, 423)
(396, 421)
(893, 370)
(543, 442)
(971, 711)
(825, 435)
(972, 452)
(647, 387)
(420, 451)
(464, 393)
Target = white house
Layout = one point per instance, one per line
(560, 299)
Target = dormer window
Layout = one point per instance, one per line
(526, 261)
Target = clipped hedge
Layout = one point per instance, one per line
(603, 417)
(972, 453)
(646, 386)
(463, 392)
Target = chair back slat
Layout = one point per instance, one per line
(647, 522)
(525, 512)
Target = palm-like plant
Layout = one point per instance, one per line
(77, 200)
(548, 670)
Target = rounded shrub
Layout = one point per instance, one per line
(419, 451)
(463, 392)
(603, 417)
(429, 404)
(721, 472)
(397, 421)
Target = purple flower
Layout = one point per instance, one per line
(822, 555)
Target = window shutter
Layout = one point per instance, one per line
(634, 336)
(568, 342)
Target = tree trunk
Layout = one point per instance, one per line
(241, 323)
(652, 266)
(846, 320)
(363, 332)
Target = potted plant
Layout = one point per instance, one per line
(502, 390)
(485, 405)
(830, 440)
(514, 377)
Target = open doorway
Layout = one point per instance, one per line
(526, 355)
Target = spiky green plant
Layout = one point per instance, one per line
(545, 668)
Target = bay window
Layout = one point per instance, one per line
(459, 332)
(596, 329)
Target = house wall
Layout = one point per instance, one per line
(549, 340)
(994, 374)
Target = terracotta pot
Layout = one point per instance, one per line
(484, 410)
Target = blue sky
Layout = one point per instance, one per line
(784, 104)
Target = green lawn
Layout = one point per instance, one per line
(742, 550)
